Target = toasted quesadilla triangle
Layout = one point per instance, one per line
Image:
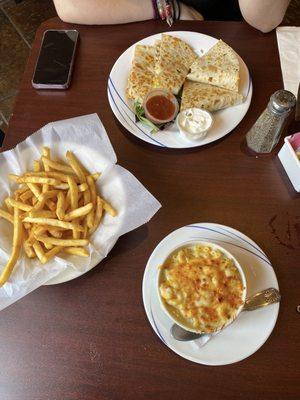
(171, 77)
(208, 97)
(219, 67)
(144, 56)
(139, 85)
(173, 60)
(141, 76)
(180, 50)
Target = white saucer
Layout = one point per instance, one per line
(251, 329)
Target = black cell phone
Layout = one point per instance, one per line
(53, 69)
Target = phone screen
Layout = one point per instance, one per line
(55, 58)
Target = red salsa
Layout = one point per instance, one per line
(160, 107)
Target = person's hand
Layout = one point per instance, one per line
(189, 13)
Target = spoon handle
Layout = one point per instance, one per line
(258, 300)
(262, 299)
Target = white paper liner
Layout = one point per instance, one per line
(87, 138)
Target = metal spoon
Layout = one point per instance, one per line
(258, 300)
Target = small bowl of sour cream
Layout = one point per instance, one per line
(194, 123)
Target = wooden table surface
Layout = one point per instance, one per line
(90, 338)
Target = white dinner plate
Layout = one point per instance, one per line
(224, 120)
(250, 330)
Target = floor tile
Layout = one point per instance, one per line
(6, 107)
(292, 15)
(13, 56)
(28, 15)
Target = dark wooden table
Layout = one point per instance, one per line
(90, 338)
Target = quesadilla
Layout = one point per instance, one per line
(173, 60)
(219, 67)
(174, 48)
(157, 55)
(208, 97)
(141, 76)
(171, 77)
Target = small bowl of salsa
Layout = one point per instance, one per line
(160, 106)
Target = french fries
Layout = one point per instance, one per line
(50, 254)
(79, 212)
(6, 215)
(107, 207)
(36, 166)
(38, 250)
(17, 244)
(98, 216)
(56, 165)
(60, 209)
(54, 222)
(77, 251)
(41, 214)
(34, 179)
(19, 204)
(76, 166)
(73, 192)
(63, 242)
(55, 210)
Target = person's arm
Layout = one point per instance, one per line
(103, 11)
(264, 15)
(112, 11)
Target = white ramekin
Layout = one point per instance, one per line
(193, 136)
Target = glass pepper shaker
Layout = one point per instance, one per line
(265, 133)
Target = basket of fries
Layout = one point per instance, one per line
(64, 212)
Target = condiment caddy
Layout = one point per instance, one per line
(289, 159)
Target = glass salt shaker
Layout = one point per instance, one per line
(265, 133)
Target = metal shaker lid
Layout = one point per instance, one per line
(282, 101)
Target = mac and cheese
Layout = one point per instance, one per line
(201, 287)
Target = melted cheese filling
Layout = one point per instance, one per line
(201, 287)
